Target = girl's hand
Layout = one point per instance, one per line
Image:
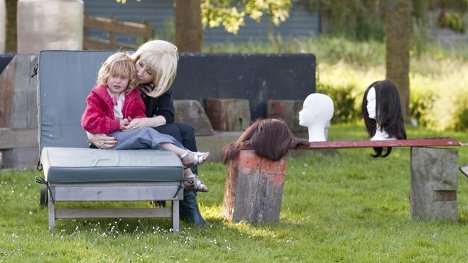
(101, 141)
(138, 123)
(123, 123)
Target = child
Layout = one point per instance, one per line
(114, 102)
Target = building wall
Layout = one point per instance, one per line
(160, 14)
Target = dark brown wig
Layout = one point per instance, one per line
(389, 115)
(269, 138)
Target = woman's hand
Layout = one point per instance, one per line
(145, 122)
(101, 141)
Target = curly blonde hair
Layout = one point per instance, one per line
(162, 57)
(118, 64)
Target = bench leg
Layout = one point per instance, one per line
(51, 208)
(175, 215)
(434, 184)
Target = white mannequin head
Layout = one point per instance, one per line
(316, 114)
(371, 103)
(380, 133)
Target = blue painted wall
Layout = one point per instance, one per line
(160, 13)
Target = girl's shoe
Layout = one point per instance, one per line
(190, 158)
(192, 182)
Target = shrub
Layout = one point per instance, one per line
(452, 21)
(344, 102)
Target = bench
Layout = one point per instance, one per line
(254, 185)
(76, 173)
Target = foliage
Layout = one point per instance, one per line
(231, 14)
(451, 20)
(343, 101)
(346, 67)
(338, 206)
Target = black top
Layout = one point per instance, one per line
(162, 105)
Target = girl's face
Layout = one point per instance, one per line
(144, 73)
(117, 84)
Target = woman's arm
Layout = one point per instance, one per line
(159, 111)
(101, 140)
(146, 122)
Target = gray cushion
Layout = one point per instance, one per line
(85, 165)
(65, 79)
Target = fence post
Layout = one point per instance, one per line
(18, 133)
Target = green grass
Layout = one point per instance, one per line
(338, 206)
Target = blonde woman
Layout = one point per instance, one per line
(156, 64)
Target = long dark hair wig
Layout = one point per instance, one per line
(269, 138)
(389, 115)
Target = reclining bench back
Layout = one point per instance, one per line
(65, 79)
(73, 171)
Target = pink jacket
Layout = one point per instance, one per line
(98, 116)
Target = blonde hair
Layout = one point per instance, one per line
(161, 57)
(119, 64)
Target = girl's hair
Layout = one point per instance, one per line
(161, 56)
(269, 138)
(121, 65)
(389, 115)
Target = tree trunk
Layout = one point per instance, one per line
(188, 25)
(397, 38)
(11, 25)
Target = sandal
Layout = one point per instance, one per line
(194, 158)
(192, 182)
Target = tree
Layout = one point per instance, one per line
(11, 33)
(397, 42)
(188, 24)
(231, 14)
(192, 15)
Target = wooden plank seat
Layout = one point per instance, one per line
(433, 175)
(83, 174)
(413, 142)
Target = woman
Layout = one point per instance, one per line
(156, 63)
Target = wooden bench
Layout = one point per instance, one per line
(254, 186)
(74, 172)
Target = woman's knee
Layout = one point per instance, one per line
(170, 129)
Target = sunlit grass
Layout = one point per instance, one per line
(337, 206)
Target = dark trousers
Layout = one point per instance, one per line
(184, 133)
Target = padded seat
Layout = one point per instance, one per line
(88, 166)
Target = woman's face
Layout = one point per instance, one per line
(144, 73)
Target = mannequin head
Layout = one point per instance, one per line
(316, 114)
(269, 138)
(382, 113)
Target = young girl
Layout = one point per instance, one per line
(115, 102)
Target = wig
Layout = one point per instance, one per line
(389, 115)
(269, 138)
(161, 56)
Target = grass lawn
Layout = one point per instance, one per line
(338, 206)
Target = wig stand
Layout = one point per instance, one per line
(254, 188)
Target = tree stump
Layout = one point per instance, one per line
(228, 114)
(434, 184)
(254, 188)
